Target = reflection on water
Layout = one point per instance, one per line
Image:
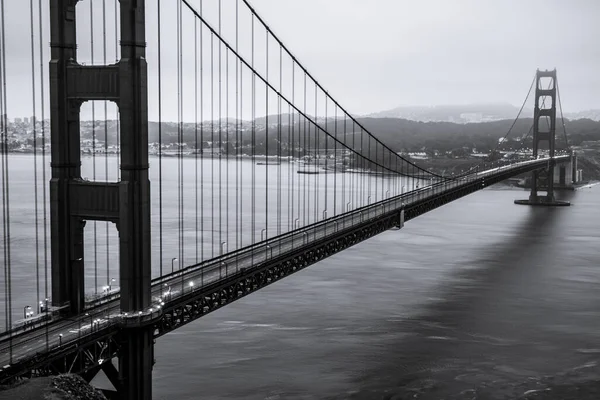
(479, 299)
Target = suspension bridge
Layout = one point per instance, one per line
(262, 174)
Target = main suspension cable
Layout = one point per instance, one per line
(304, 115)
(562, 118)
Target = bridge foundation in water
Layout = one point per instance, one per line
(544, 114)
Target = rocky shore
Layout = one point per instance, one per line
(61, 387)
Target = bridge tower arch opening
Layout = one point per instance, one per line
(544, 140)
(125, 203)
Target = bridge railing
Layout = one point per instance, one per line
(227, 262)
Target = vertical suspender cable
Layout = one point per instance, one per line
(182, 140)
(35, 168)
(355, 164)
(241, 225)
(160, 187)
(180, 135)
(317, 156)
(238, 137)
(227, 144)
(117, 121)
(237, 133)
(291, 157)
(220, 137)
(345, 166)
(363, 167)
(253, 178)
(267, 136)
(43, 116)
(106, 177)
(94, 152)
(335, 160)
(212, 141)
(227, 147)
(196, 130)
(295, 152)
(326, 158)
(380, 177)
(279, 144)
(178, 140)
(201, 138)
(369, 179)
(5, 181)
(304, 222)
(44, 198)
(3, 138)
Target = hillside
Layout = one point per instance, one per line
(398, 134)
(469, 113)
(463, 113)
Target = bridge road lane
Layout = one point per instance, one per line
(107, 315)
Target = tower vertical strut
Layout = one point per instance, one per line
(545, 109)
(126, 203)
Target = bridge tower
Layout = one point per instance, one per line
(125, 203)
(544, 130)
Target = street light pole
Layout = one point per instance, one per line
(173, 263)
(91, 324)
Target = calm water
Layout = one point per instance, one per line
(479, 299)
(212, 219)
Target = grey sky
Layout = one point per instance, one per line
(380, 54)
(370, 55)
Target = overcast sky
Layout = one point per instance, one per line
(379, 54)
(370, 55)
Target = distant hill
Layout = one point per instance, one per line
(460, 114)
(470, 113)
(594, 115)
(444, 136)
(398, 134)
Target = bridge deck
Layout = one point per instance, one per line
(187, 295)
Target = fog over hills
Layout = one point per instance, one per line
(469, 113)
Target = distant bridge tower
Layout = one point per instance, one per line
(544, 130)
(126, 203)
